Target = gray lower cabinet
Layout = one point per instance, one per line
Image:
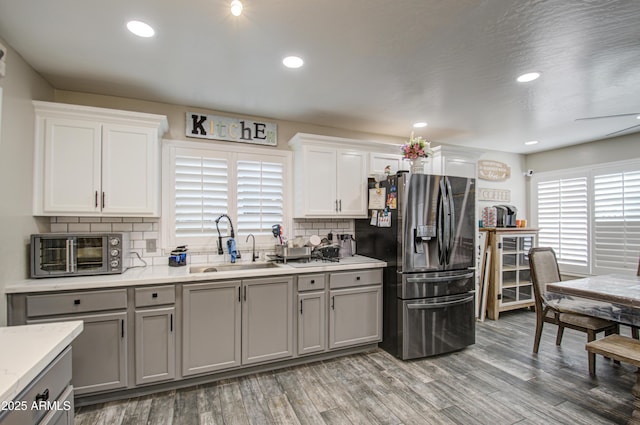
(228, 324)
(211, 318)
(311, 312)
(155, 345)
(51, 391)
(355, 313)
(99, 352)
(312, 334)
(155, 337)
(267, 319)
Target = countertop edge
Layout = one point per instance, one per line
(158, 275)
(69, 331)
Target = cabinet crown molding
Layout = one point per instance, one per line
(300, 139)
(105, 115)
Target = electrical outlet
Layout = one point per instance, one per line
(151, 245)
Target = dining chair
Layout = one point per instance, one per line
(544, 269)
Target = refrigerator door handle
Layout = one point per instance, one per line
(439, 278)
(452, 220)
(431, 306)
(444, 256)
(440, 219)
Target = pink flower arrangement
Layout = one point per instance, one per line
(416, 148)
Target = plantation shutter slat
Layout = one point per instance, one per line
(616, 227)
(563, 219)
(260, 196)
(201, 195)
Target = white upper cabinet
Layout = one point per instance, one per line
(378, 161)
(453, 161)
(94, 161)
(330, 177)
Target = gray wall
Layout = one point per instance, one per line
(20, 85)
(598, 152)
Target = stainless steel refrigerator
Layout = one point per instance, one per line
(423, 226)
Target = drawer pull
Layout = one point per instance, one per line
(43, 396)
(357, 277)
(154, 295)
(76, 302)
(313, 281)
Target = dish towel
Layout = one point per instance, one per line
(233, 251)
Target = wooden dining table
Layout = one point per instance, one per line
(614, 297)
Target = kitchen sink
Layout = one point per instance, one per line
(230, 267)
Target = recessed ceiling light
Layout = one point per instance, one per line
(531, 142)
(140, 29)
(236, 7)
(420, 124)
(638, 117)
(525, 78)
(292, 62)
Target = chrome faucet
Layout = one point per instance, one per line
(253, 249)
(220, 237)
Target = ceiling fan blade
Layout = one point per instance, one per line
(607, 116)
(623, 130)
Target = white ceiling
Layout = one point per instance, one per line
(370, 65)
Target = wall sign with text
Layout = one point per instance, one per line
(231, 129)
(487, 194)
(493, 170)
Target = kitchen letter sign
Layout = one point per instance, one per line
(231, 129)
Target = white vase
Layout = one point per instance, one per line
(417, 166)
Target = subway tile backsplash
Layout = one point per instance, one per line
(141, 229)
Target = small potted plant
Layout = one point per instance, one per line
(415, 150)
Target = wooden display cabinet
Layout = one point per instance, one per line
(510, 285)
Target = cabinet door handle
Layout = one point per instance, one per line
(245, 293)
(122, 328)
(102, 199)
(96, 199)
(340, 205)
(336, 205)
(333, 303)
(43, 396)
(300, 306)
(239, 294)
(171, 322)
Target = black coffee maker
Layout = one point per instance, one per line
(506, 215)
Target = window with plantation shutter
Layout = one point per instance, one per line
(591, 217)
(260, 196)
(616, 228)
(246, 183)
(201, 194)
(563, 220)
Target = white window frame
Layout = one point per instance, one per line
(232, 152)
(589, 172)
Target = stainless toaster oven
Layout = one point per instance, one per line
(79, 254)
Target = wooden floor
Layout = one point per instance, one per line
(496, 381)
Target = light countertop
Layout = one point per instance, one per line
(164, 274)
(27, 350)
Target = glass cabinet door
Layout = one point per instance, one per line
(515, 276)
